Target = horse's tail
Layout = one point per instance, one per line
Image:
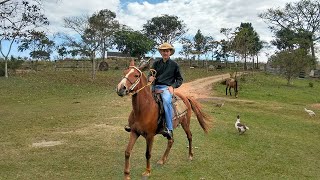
(204, 120)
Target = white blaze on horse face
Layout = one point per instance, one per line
(124, 80)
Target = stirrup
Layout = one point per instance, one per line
(167, 133)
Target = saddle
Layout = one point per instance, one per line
(179, 108)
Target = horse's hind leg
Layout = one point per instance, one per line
(186, 129)
(166, 153)
(149, 140)
(132, 141)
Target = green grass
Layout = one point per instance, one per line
(88, 118)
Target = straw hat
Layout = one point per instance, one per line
(166, 46)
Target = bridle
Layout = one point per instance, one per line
(137, 81)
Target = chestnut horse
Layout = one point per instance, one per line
(144, 116)
(232, 83)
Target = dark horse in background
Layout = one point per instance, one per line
(144, 116)
(232, 83)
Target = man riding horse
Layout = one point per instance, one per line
(167, 78)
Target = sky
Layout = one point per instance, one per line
(208, 16)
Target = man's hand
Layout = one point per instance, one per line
(170, 89)
(152, 78)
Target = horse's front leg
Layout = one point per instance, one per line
(227, 91)
(132, 141)
(166, 153)
(230, 91)
(149, 141)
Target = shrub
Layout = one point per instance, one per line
(310, 84)
(12, 64)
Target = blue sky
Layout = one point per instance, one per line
(208, 16)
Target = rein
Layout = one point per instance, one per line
(153, 73)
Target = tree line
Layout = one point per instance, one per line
(296, 30)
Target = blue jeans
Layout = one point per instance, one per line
(167, 104)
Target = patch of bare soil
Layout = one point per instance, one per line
(201, 88)
(316, 106)
(46, 143)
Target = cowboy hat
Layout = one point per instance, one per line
(166, 46)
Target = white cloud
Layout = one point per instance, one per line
(56, 11)
(208, 16)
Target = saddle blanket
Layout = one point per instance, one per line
(179, 107)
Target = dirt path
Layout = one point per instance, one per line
(201, 88)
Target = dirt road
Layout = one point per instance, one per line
(201, 88)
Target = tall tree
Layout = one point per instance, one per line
(17, 19)
(200, 42)
(186, 48)
(88, 43)
(106, 25)
(164, 28)
(227, 32)
(212, 46)
(245, 41)
(95, 32)
(133, 43)
(302, 16)
(222, 51)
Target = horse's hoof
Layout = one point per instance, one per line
(126, 178)
(160, 162)
(190, 158)
(146, 174)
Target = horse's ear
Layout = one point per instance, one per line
(132, 62)
(143, 65)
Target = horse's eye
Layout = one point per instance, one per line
(136, 75)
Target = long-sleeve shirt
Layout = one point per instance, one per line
(168, 73)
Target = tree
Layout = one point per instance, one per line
(245, 41)
(212, 46)
(164, 28)
(227, 32)
(256, 47)
(62, 51)
(133, 43)
(199, 43)
(186, 48)
(288, 39)
(105, 24)
(94, 31)
(2, 2)
(39, 45)
(18, 19)
(88, 43)
(302, 16)
(221, 51)
(284, 39)
(291, 62)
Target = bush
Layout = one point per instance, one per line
(12, 64)
(310, 84)
(2, 73)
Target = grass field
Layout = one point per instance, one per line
(63, 126)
